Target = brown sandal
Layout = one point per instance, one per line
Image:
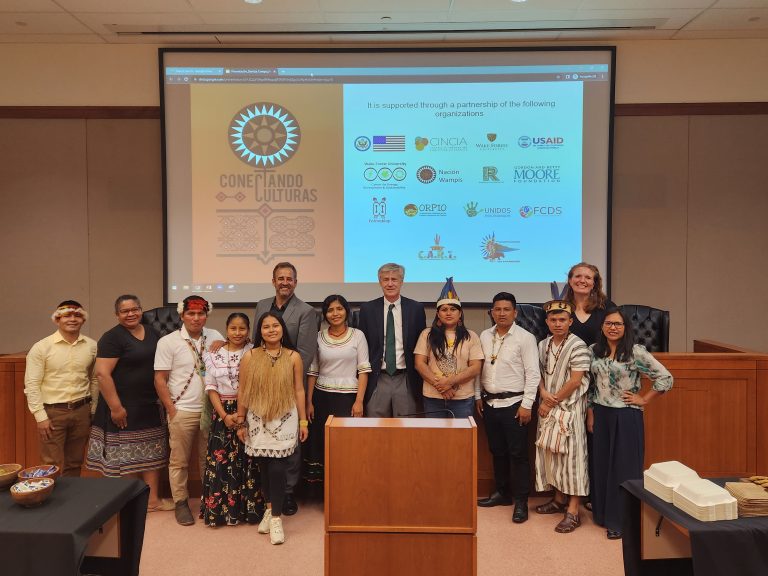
(569, 523)
(551, 507)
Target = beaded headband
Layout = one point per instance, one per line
(194, 304)
(69, 309)
(558, 306)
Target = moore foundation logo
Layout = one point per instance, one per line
(264, 135)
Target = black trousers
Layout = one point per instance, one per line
(508, 443)
(274, 476)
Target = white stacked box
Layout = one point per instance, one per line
(705, 500)
(663, 477)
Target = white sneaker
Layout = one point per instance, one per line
(276, 534)
(264, 524)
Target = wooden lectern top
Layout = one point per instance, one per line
(462, 423)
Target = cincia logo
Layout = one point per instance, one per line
(421, 143)
(524, 141)
(362, 143)
(426, 174)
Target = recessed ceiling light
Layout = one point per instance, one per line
(252, 1)
(517, 1)
(386, 18)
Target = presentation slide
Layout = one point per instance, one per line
(490, 167)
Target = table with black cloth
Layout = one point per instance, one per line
(732, 547)
(51, 539)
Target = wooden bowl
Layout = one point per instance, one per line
(42, 471)
(31, 493)
(8, 473)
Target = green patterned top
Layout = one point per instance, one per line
(610, 378)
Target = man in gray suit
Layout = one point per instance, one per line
(302, 323)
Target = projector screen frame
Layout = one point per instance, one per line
(610, 50)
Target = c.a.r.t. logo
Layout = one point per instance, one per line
(264, 134)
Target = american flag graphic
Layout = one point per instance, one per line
(389, 143)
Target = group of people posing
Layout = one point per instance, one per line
(256, 399)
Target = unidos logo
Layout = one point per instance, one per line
(264, 135)
(426, 174)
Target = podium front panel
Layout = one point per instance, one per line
(401, 475)
(383, 554)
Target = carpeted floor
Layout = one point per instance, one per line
(503, 547)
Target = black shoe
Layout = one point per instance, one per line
(614, 535)
(184, 514)
(494, 499)
(520, 514)
(290, 507)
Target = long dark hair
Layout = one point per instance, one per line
(438, 341)
(285, 340)
(624, 346)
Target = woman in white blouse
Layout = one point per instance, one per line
(336, 379)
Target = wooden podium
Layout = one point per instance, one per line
(400, 496)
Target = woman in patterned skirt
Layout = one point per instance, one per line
(128, 435)
(231, 479)
(271, 413)
(615, 414)
(336, 379)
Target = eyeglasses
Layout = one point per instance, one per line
(129, 311)
(609, 324)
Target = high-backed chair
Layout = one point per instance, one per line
(532, 318)
(164, 320)
(649, 325)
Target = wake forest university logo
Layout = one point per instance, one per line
(264, 135)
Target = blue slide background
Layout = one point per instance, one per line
(534, 203)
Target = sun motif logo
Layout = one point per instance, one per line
(264, 134)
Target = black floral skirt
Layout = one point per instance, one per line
(231, 481)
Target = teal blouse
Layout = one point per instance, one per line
(610, 378)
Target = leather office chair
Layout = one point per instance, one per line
(164, 320)
(649, 325)
(532, 318)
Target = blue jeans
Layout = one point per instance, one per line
(460, 408)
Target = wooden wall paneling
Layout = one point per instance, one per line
(125, 216)
(727, 239)
(649, 208)
(761, 416)
(7, 412)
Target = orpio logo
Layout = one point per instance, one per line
(264, 135)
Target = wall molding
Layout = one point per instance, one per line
(153, 112)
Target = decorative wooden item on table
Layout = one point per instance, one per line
(8, 473)
(31, 493)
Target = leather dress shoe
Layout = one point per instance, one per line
(290, 507)
(494, 499)
(520, 514)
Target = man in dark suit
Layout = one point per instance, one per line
(392, 325)
(302, 323)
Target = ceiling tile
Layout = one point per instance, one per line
(618, 35)
(103, 23)
(731, 19)
(124, 6)
(262, 18)
(29, 6)
(513, 7)
(509, 16)
(719, 34)
(741, 4)
(388, 7)
(265, 7)
(40, 23)
(51, 39)
(643, 4)
(412, 18)
(166, 40)
(269, 40)
(675, 19)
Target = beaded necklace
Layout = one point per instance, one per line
(276, 357)
(496, 338)
(199, 367)
(556, 353)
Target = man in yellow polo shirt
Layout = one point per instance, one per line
(61, 385)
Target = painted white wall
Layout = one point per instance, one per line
(127, 75)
